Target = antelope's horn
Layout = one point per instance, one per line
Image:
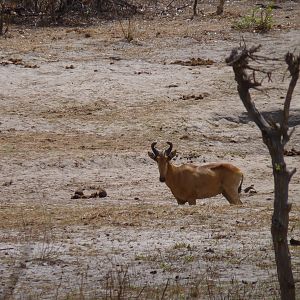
(168, 151)
(155, 151)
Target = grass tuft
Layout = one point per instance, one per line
(260, 20)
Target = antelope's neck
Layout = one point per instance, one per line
(171, 174)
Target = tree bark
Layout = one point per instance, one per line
(220, 7)
(280, 218)
(195, 7)
(1, 20)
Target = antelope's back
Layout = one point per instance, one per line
(223, 166)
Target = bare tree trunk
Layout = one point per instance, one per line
(220, 7)
(280, 218)
(195, 8)
(52, 10)
(1, 19)
(275, 137)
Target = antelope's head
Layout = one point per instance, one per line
(162, 158)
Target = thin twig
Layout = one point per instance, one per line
(293, 67)
(140, 292)
(291, 173)
(165, 289)
(169, 4)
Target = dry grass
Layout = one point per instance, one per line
(14, 216)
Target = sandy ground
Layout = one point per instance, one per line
(79, 109)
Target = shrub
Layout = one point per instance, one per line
(260, 20)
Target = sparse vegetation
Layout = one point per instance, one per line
(128, 30)
(182, 245)
(259, 20)
(189, 258)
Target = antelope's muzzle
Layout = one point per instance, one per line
(162, 179)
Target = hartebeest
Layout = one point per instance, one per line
(189, 182)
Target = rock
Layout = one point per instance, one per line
(194, 62)
(294, 242)
(76, 196)
(79, 192)
(93, 195)
(101, 193)
(184, 137)
(209, 250)
(8, 183)
(250, 189)
(292, 152)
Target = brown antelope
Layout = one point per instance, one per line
(189, 182)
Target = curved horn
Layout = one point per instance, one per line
(168, 151)
(155, 151)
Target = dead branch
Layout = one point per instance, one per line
(293, 67)
(239, 60)
(291, 173)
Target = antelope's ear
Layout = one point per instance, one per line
(172, 154)
(152, 155)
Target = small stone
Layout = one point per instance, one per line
(102, 193)
(93, 195)
(8, 183)
(79, 192)
(250, 189)
(209, 250)
(294, 242)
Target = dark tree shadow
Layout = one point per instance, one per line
(275, 116)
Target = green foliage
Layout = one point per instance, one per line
(277, 167)
(167, 267)
(188, 258)
(260, 20)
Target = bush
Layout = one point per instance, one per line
(260, 20)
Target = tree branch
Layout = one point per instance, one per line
(291, 173)
(293, 67)
(239, 60)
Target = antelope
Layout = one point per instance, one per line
(189, 182)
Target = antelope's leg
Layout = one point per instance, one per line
(232, 196)
(180, 201)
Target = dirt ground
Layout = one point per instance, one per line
(79, 109)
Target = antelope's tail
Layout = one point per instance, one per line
(240, 187)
